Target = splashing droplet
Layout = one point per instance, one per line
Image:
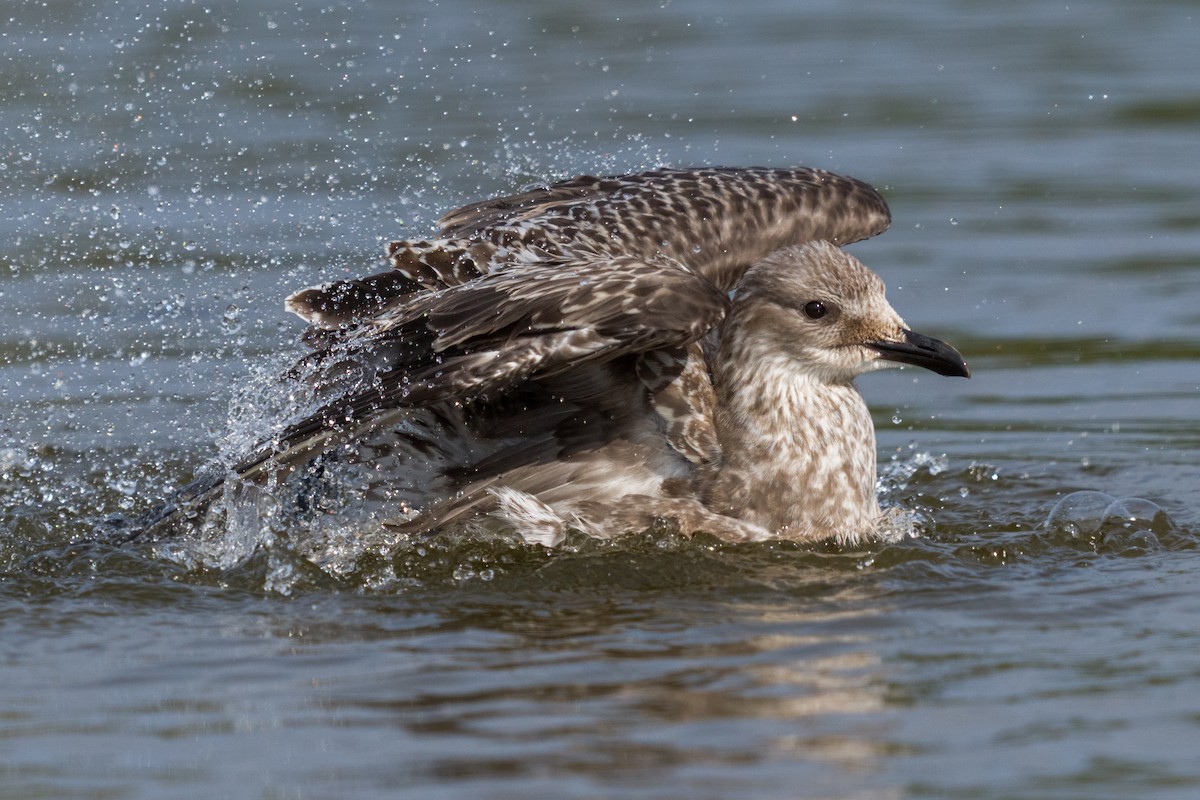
(231, 320)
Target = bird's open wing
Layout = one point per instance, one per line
(476, 341)
(717, 220)
(484, 337)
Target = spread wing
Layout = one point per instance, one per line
(685, 191)
(482, 338)
(718, 221)
(474, 341)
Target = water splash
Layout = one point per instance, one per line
(1110, 522)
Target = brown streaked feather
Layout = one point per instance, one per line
(543, 320)
(681, 393)
(486, 336)
(717, 221)
(500, 211)
(442, 262)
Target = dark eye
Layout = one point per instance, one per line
(815, 310)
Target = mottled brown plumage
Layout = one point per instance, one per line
(718, 221)
(542, 364)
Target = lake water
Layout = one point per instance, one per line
(173, 170)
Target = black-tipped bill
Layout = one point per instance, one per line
(924, 351)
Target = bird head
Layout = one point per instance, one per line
(828, 313)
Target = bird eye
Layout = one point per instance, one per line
(815, 310)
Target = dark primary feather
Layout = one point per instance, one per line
(340, 304)
(484, 337)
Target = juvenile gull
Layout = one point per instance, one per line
(542, 364)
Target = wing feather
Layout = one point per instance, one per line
(487, 336)
(716, 220)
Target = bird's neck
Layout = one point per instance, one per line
(798, 452)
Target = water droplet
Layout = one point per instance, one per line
(231, 320)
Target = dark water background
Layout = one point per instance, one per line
(172, 170)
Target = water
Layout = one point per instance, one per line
(173, 170)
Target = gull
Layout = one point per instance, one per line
(601, 355)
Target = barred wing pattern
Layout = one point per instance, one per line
(716, 220)
(484, 337)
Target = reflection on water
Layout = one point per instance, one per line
(597, 689)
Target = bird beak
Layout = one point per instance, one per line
(924, 351)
